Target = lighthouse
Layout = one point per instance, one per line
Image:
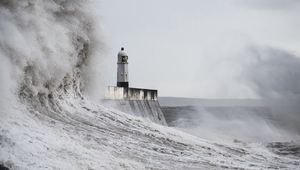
(122, 77)
(137, 101)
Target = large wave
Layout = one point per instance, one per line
(46, 45)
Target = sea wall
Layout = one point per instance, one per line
(124, 93)
(135, 101)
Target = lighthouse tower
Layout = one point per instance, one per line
(122, 77)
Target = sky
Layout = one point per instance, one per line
(204, 48)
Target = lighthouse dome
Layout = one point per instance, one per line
(122, 57)
(122, 53)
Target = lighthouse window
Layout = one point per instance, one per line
(124, 58)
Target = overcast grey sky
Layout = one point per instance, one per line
(197, 48)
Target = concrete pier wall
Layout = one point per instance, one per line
(124, 93)
(139, 102)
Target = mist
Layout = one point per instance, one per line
(244, 120)
(274, 113)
